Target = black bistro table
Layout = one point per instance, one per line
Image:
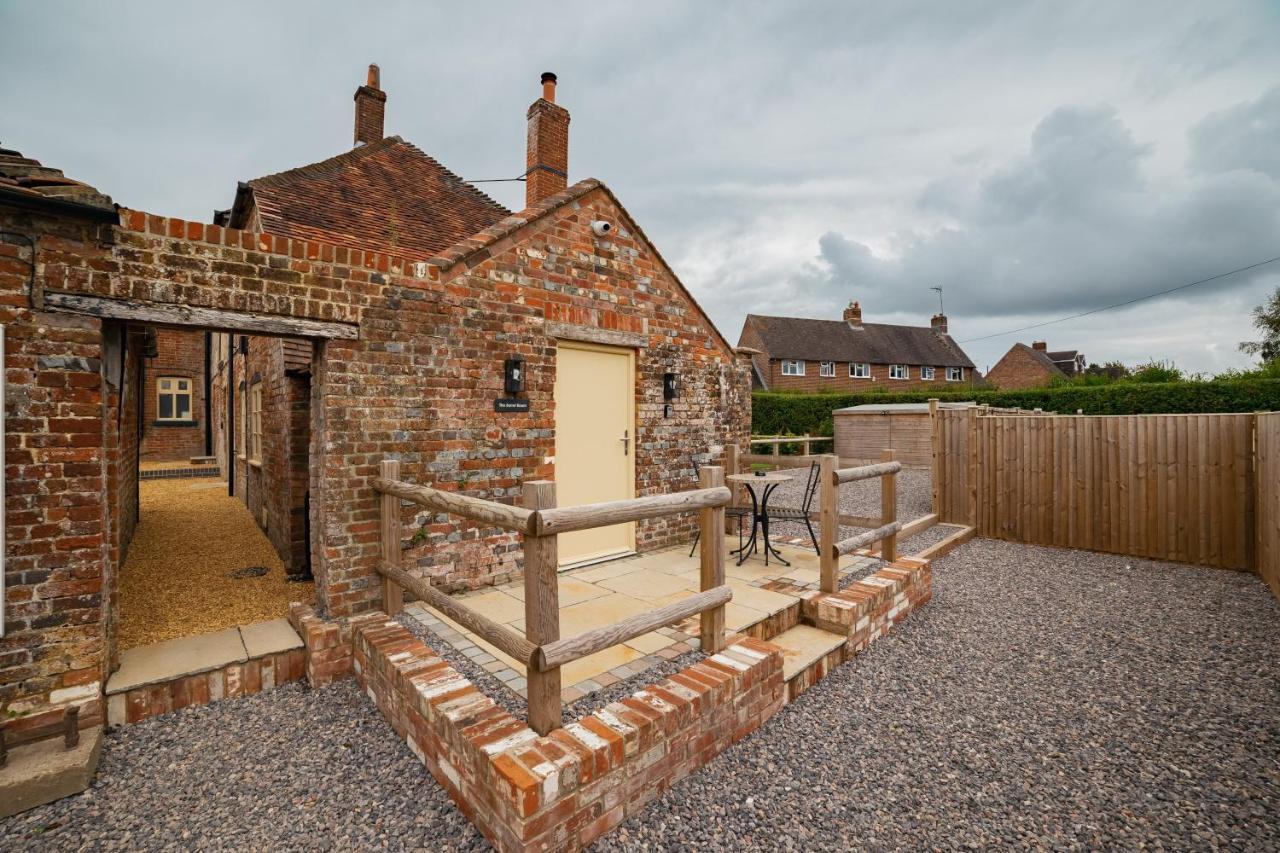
(759, 515)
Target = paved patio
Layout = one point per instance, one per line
(594, 596)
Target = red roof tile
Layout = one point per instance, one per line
(388, 196)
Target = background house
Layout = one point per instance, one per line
(174, 420)
(1034, 366)
(798, 354)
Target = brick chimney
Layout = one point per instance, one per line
(547, 160)
(853, 314)
(938, 322)
(371, 103)
(1039, 346)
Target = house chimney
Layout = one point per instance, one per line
(1039, 346)
(371, 103)
(938, 322)
(547, 159)
(853, 314)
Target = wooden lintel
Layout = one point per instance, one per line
(592, 335)
(204, 318)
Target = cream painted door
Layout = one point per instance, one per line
(595, 443)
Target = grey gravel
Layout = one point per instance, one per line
(1044, 698)
(289, 769)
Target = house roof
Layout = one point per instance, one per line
(876, 343)
(388, 196)
(1045, 359)
(25, 178)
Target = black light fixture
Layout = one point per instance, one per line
(669, 389)
(513, 375)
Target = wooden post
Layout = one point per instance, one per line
(731, 467)
(392, 592)
(542, 609)
(935, 443)
(888, 509)
(71, 727)
(971, 467)
(808, 448)
(711, 559)
(777, 451)
(828, 522)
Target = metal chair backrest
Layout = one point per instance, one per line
(811, 486)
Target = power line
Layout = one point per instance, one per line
(1123, 304)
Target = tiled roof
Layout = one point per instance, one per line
(1065, 360)
(874, 343)
(388, 196)
(23, 176)
(1046, 360)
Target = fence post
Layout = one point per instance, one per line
(392, 592)
(808, 447)
(731, 467)
(971, 467)
(935, 461)
(828, 522)
(542, 609)
(888, 509)
(711, 560)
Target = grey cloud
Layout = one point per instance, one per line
(1245, 136)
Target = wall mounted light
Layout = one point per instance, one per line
(513, 375)
(670, 387)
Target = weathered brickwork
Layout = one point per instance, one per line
(229, 682)
(418, 384)
(180, 354)
(565, 790)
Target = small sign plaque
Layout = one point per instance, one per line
(510, 404)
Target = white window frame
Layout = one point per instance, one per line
(899, 371)
(171, 386)
(827, 369)
(958, 374)
(926, 373)
(796, 367)
(255, 423)
(859, 370)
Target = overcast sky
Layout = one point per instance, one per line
(1034, 160)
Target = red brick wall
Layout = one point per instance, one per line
(1018, 368)
(417, 384)
(179, 353)
(843, 382)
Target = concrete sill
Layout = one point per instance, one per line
(186, 424)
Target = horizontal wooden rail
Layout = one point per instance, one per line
(866, 472)
(790, 439)
(499, 635)
(919, 525)
(514, 518)
(547, 522)
(560, 652)
(862, 540)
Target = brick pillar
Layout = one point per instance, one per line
(547, 157)
(371, 104)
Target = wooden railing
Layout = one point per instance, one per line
(830, 479)
(540, 521)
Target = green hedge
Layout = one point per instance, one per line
(781, 413)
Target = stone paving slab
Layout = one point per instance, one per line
(172, 659)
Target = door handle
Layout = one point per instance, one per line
(626, 441)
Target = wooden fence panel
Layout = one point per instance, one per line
(1267, 506)
(1173, 487)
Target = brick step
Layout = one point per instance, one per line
(808, 653)
(774, 624)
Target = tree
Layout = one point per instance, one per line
(1266, 319)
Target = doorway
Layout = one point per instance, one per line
(595, 443)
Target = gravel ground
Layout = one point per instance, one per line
(176, 579)
(515, 704)
(290, 769)
(1044, 698)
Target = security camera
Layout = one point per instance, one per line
(601, 228)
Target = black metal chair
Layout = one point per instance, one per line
(802, 513)
(737, 512)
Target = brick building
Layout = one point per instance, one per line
(174, 415)
(408, 354)
(1034, 366)
(795, 354)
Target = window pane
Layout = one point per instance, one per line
(166, 406)
(184, 407)
(184, 384)
(164, 385)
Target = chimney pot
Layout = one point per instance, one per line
(939, 323)
(853, 314)
(547, 157)
(371, 104)
(1040, 346)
